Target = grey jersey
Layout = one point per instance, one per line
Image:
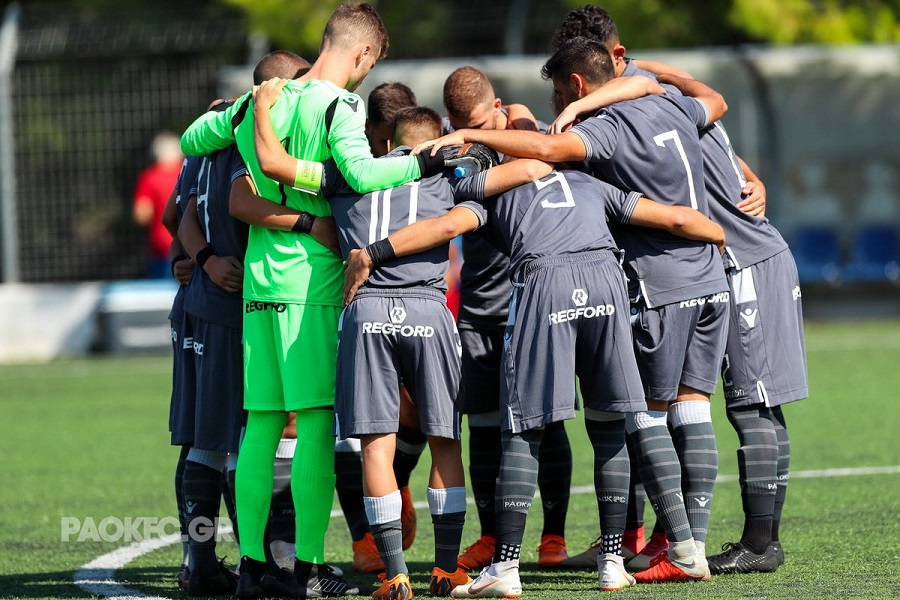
(652, 145)
(225, 235)
(749, 239)
(563, 213)
(362, 220)
(185, 187)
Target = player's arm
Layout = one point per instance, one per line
(182, 265)
(711, 99)
(412, 239)
(512, 174)
(245, 205)
(353, 156)
(682, 221)
(213, 130)
(658, 68)
(753, 193)
(616, 90)
(227, 272)
(560, 147)
(359, 168)
(273, 159)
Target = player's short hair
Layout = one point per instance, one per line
(279, 63)
(466, 89)
(355, 22)
(587, 21)
(415, 124)
(386, 99)
(585, 56)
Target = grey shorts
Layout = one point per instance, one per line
(184, 384)
(568, 318)
(765, 358)
(219, 364)
(481, 354)
(409, 336)
(680, 344)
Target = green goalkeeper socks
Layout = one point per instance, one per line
(312, 481)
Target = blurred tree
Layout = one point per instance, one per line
(294, 25)
(818, 21)
(476, 27)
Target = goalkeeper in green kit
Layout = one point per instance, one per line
(292, 292)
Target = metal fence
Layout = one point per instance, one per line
(86, 97)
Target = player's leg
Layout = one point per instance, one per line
(219, 418)
(481, 352)
(181, 426)
(516, 487)
(447, 504)
(635, 536)
(411, 443)
(382, 500)
(349, 476)
(308, 335)
(430, 368)
(255, 470)
(610, 388)
(281, 530)
(757, 467)
(606, 431)
(660, 342)
(184, 572)
(784, 464)
(695, 442)
(555, 484)
(690, 416)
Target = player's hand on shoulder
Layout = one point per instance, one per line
(359, 266)
(266, 94)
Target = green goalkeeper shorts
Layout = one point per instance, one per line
(290, 355)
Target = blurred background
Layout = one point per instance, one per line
(87, 85)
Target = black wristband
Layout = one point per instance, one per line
(203, 256)
(175, 260)
(304, 223)
(381, 251)
(430, 165)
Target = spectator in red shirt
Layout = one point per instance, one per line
(154, 186)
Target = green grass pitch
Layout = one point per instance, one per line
(87, 438)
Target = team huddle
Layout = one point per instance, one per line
(618, 259)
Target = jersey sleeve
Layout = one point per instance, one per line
(469, 188)
(238, 168)
(476, 207)
(600, 135)
(353, 157)
(213, 130)
(620, 205)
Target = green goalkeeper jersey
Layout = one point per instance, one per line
(284, 266)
